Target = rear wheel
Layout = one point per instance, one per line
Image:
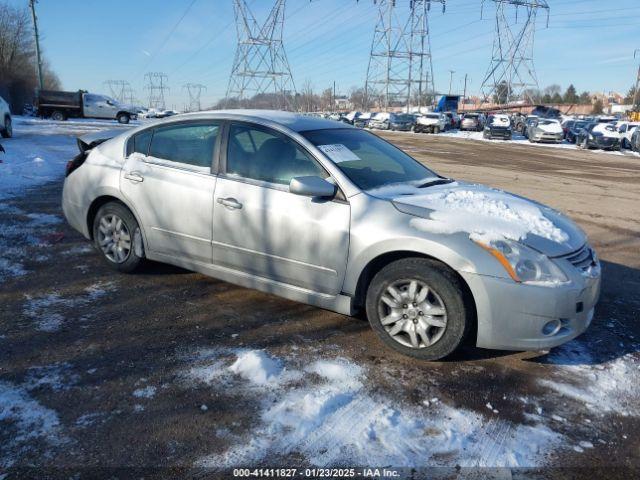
(58, 116)
(114, 231)
(123, 118)
(7, 131)
(416, 306)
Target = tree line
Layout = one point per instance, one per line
(18, 73)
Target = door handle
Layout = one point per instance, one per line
(229, 202)
(135, 177)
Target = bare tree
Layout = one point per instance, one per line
(18, 78)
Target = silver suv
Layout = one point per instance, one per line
(330, 215)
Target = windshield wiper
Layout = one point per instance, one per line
(440, 181)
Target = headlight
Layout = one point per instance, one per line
(523, 264)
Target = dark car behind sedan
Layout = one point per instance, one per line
(572, 132)
(403, 123)
(497, 126)
(589, 137)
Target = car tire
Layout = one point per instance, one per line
(58, 116)
(110, 225)
(445, 293)
(123, 118)
(436, 130)
(7, 131)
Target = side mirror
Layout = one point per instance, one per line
(312, 186)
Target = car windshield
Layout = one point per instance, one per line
(367, 160)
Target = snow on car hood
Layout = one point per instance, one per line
(550, 127)
(606, 130)
(488, 214)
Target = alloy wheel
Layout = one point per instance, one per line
(412, 313)
(114, 238)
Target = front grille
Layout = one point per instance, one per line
(583, 258)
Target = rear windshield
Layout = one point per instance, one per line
(368, 161)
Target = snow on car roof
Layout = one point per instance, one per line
(293, 121)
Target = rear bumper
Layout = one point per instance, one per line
(72, 208)
(513, 316)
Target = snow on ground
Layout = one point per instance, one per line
(25, 421)
(47, 312)
(36, 154)
(517, 140)
(39, 151)
(601, 387)
(324, 411)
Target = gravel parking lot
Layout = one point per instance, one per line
(175, 373)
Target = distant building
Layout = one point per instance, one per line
(342, 102)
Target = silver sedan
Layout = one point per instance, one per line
(330, 215)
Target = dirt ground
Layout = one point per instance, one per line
(101, 373)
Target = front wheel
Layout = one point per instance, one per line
(7, 131)
(416, 306)
(114, 231)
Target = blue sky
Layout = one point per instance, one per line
(588, 42)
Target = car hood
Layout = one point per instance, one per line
(551, 128)
(486, 214)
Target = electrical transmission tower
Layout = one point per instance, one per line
(156, 85)
(118, 89)
(400, 71)
(195, 92)
(511, 72)
(260, 65)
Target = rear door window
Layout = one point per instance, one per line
(188, 144)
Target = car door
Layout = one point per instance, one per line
(262, 229)
(167, 178)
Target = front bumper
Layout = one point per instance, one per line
(513, 316)
(548, 137)
(504, 134)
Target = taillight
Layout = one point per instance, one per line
(75, 163)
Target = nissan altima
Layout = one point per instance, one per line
(333, 216)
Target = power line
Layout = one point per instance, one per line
(195, 92)
(169, 35)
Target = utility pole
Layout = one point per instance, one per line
(32, 5)
(451, 72)
(464, 93)
(636, 93)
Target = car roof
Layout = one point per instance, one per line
(293, 121)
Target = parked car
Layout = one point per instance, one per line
(336, 217)
(453, 120)
(363, 120)
(635, 140)
(575, 128)
(498, 126)
(598, 135)
(431, 123)
(402, 122)
(380, 121)
(351, 117)
(545, 130)
(626, 129)
(530, 120)
(472, 121)
(6, 124)
(59, 106)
